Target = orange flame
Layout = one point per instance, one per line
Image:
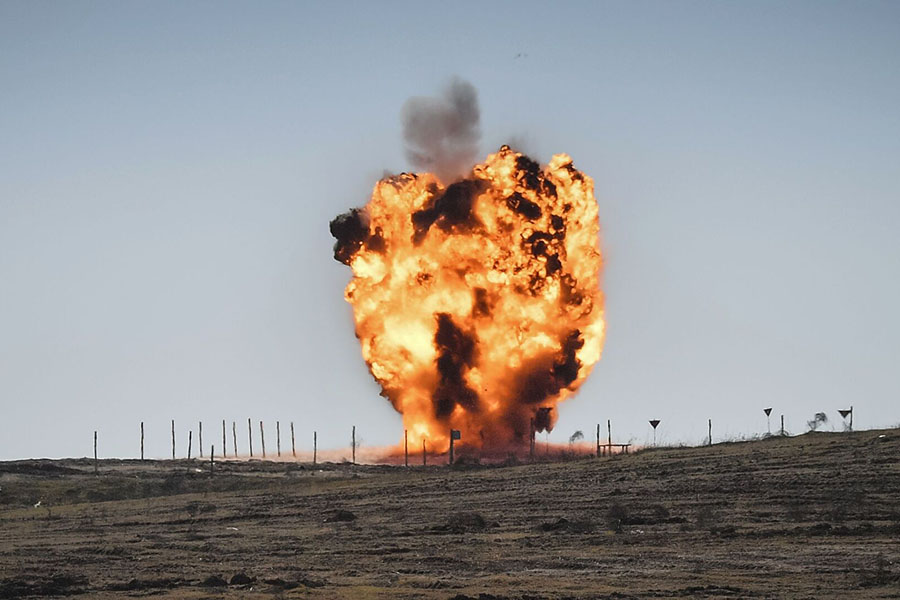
(477, 305)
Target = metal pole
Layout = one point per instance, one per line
(190, 435)
(224, 447)
(353, 444)
(142, 440)
(782, 425)
(405, 448)
(424, 455)
(851, 418)
(250, 436)
(173, 439)
(200, 438)
(234, 437)
(597, 452)
(278, 436)
(96, 468)
(315, 446)
(293, 445)
(212, 460)
(710, 432)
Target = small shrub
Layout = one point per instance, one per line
(706, 518)
(462, 522)
(616, 517)
(660, 513)
(797, 511)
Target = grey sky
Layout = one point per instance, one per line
(168, 171)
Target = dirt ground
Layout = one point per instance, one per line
(813, 516)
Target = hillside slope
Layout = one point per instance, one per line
(812, 516)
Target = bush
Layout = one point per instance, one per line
(616, 517)
(706, 518)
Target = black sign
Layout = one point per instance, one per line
(768, 411)
(654, 422)
(454, 434)
(844, 413)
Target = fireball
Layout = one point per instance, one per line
(477, 304)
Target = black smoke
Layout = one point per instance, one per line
(456, 353)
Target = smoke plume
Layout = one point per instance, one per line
(442, 133)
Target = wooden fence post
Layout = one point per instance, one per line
(250, 436)
(405, 448)
(278, 437)
(212, 460)
(96, 468)
(200, 437)
(262, 439)
(173, 439)
(450, 461)
(710, 432)
(531, 438)
(224, 447)
(424, 454)
(293, 445)
(190, 434)
(315, 446)
(234, 438)
(142, 440)
(609, 437)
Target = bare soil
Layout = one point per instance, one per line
(813, 516)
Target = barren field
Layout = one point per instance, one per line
(813, 516)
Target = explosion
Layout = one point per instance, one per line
(477, 305)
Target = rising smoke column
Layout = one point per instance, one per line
(442, 133)
(477, 303)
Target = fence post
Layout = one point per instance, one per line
(353, 444)
(710, 432)
(234, 438)
(531, 436)
(212, 454)
(451, 448)
(293, 445)
(315, 446)
(405, 448)
(142, 440)
(250, 436)
(173, 439)
(224, 447)
(609, 438)
(262, 439)
(96, 468)
(190, 435)
(278, 437)
(424, 454)
(200, 437)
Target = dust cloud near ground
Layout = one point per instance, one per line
(813, 516)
